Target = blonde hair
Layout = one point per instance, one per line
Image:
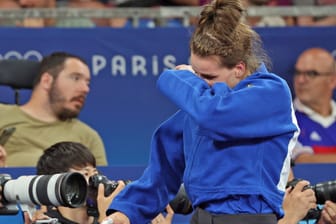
(221, 32)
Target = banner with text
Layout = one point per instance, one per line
(124, 105)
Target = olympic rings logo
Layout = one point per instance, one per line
(29, 55)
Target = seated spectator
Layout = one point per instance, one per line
(50, 115)
(9, 4)
(290, 20)
(192, 20)
(262, 21)
(37, 22)
(315, 21)
(61, 22)
(151, 23)
(84, 22)
(314, 84)
(184, 2)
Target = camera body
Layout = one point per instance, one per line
(323, 191)
(91, 200)
(62, 189)
(180, 204)
(109, 185)
(8, 209)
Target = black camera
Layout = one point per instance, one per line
(109, 187)
(63, 189)
(323, 191)
(181, 203)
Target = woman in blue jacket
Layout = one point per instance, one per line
(231, 140)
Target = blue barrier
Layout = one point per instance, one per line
(124, 105)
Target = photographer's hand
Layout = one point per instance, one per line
(27, 219)
(297, 203)
(104, 202)
(38, 215)
(117, 218)
(328, 214)
(161, 219)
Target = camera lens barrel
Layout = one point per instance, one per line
(325, 191)
(64, 189)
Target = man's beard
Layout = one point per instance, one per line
(57, 100)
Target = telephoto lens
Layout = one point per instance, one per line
(325, 191)
(63, 189)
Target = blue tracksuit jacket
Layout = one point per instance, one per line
(230, 147)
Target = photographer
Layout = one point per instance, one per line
(73, 157)
(299, 200)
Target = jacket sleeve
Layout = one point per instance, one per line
(256, 107)
(146, 197)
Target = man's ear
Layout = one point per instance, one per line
(334, 80)
(46, 80)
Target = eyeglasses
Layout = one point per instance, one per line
(311, 74)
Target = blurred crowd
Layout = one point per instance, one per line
(258, 21)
